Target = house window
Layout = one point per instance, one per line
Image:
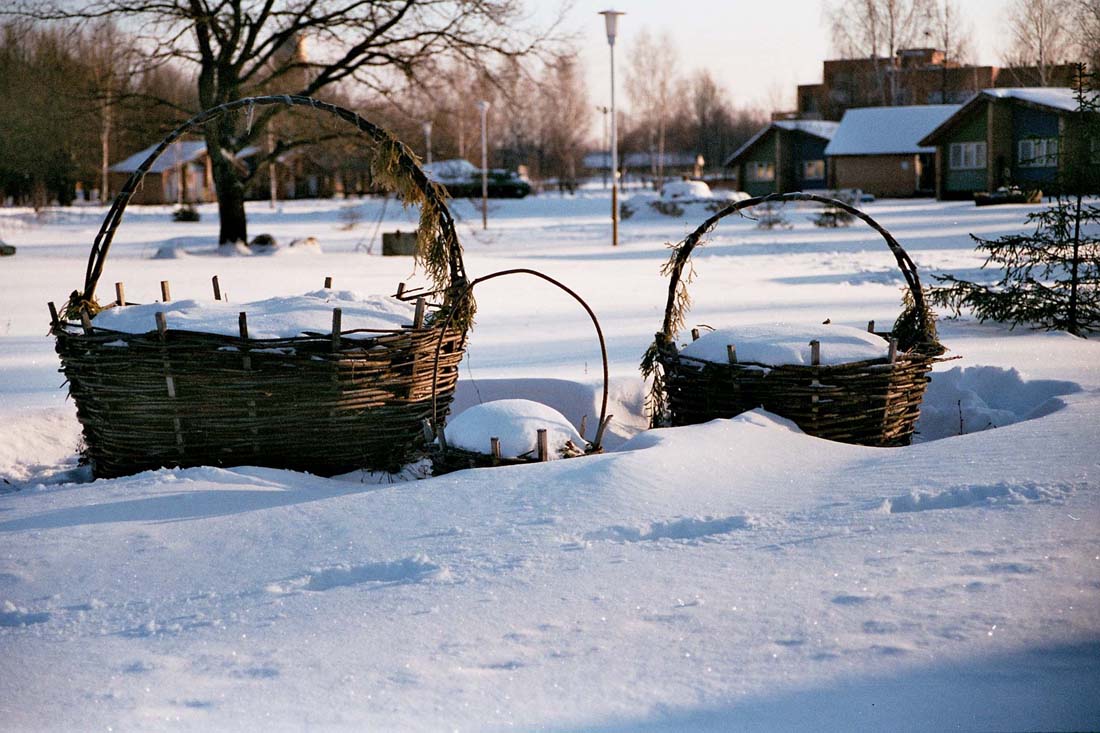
(760, 171)
(1038, 153)
(813, 170)
(967, 156)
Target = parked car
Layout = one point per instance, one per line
(462, 179)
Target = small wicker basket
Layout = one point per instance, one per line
(447, 458)
(874, 402)
(323, 402)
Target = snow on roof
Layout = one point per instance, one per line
(181, 151)
(1057, 98)
(818, 128)
(1053, 97)
(888, 130)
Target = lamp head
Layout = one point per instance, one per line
(611, 19)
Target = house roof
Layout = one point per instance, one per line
(818, 128)
(1057, 99)
(181, 151)
(888, 130)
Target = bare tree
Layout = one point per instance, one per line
(109, 57)
(1087, 34)
(878, 29)
(238, 47)
(651, 85)
(565, 114)
(1040, 34)
(950, 32)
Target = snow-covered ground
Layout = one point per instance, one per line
(737, 575)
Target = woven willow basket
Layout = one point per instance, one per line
(874, 402)
(325, 403)
(447, 458)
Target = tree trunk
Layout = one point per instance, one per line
(229, 188)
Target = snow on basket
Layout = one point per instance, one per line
(835, 382)
(326, 382)
(508, 432)
(515, 429)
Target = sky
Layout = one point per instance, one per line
(760, 51)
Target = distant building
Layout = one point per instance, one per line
(640, 165)
(1006, 137)
(877, 150)
(787, 155)
(180, 175)
(915, 76)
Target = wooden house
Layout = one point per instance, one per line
(878, 150)
(787, 155)
(181, 174)
(1007, 137)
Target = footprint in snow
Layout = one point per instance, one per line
(688, 528)
(1000, 494)
(13, 616)
(405, 570)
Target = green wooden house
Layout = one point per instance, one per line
(1006, 137)
(787, 155)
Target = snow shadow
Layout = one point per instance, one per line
(195, 493)
(1035, 689)
(969, 400)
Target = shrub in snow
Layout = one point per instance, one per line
(516, 423)
(769, 215)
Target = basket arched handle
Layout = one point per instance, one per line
(673, 314)
(602, 425)
(397, 164)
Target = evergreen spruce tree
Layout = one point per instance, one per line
(1049, 277)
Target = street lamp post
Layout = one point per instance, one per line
(611, 20)
(428, 141)
(606, 153)
(483, 108)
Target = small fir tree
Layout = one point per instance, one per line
(770, 215)
(1049, 277)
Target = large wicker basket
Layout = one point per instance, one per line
(447, 458)
(325, 403)
(874, 402)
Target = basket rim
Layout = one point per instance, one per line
(675, 310)
(449, 279)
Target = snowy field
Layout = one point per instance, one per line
(737, 575)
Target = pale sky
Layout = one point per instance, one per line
(759, 49)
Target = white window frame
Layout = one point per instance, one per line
(966, 156)
(1037, 152)
(761, 171)
(819, 167)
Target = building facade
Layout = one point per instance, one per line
(787, 155)
(915, 76)
(877, 150)
(1008, 137)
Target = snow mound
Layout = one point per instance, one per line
(516, 423)
(343, 575)
(779, 344)
(677, 190)
(962, 401)
(684, 529)
(977, 495)
(280, 317)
